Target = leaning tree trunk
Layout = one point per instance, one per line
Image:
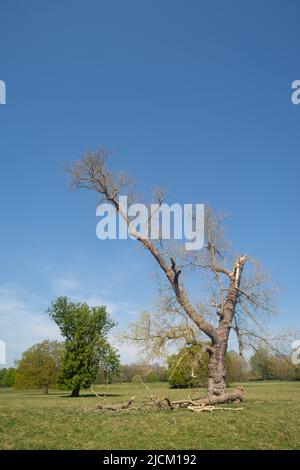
(217, 361)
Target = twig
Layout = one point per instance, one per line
(118, 407)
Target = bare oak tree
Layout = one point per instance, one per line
(238, 301)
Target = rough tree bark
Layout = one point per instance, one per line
(217, 360)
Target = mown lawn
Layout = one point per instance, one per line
(270, 420)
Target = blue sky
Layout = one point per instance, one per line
(193, 95)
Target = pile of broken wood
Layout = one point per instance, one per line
(197, 405)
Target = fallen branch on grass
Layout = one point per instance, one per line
(202, 404)
(210, 408)
(117, 407)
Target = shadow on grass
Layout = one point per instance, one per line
(92, 395)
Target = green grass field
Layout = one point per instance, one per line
(270, 420)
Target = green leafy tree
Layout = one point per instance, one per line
(267, 366)
(261, 364)
(109, 367)
(237, 368)
(281, 367)
(153, 377)
(2, 373)
(40, 366)
(129, 371)
(8, 377)
(85, 331)
(188, 368)
(296, 372)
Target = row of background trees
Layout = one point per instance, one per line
(42, 364)
(184, 368)
(85, 357)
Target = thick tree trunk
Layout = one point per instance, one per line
(217, 361)
(217, 393)
(217, 371)
(46, 389)
(236, 395)
(75, 392)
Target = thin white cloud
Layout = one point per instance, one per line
(23, 321)
(128, 353)
(65, 284)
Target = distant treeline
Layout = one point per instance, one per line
(188, 368)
